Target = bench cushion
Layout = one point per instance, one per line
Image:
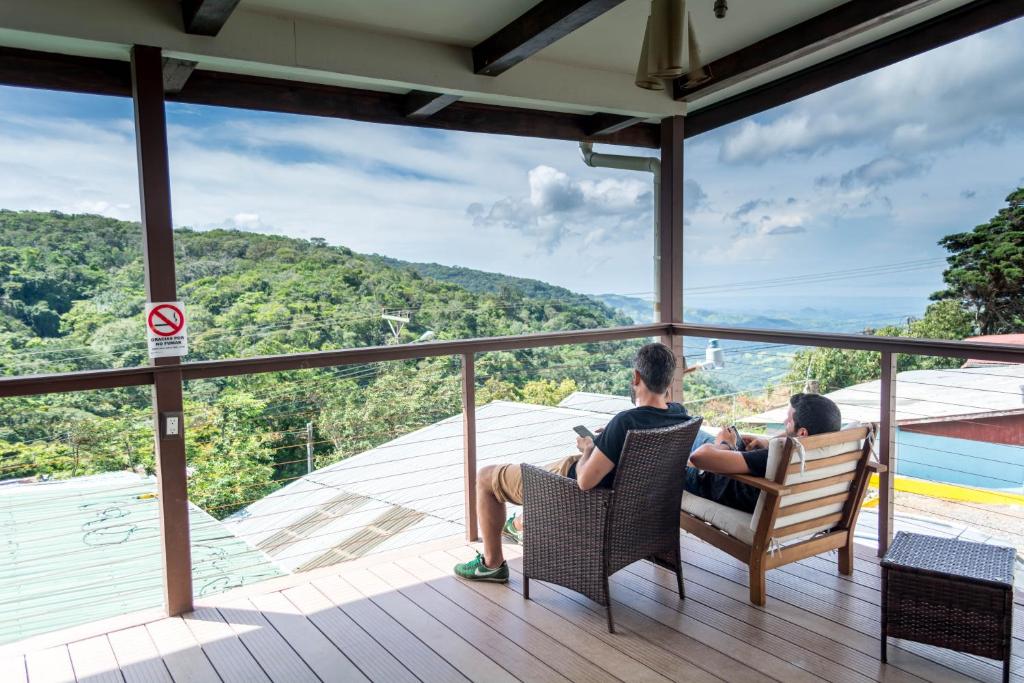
(731, 521)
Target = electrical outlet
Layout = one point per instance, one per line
(171, 425)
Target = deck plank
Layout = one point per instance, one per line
(137, 656)
(837, 608)
(768, 664)
(12, 668)
(275, 656)
(316, 650)
(426, 664)
(94, 661)
(535, 612)
(181, 652)
(365, 652)
(52, 665)
(443, 640)
(506, 653)
(226, 653)
(816, 640)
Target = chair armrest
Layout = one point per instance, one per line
(876, 467)
(760, 482)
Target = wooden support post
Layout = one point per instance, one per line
(670, 240)
(158, 251)
(887, 452)
(469, 444)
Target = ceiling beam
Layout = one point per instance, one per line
(974, 17)
(206, 17)
(176, 73)
(606, 124)
(827, 29)
(421, 105)
(33, 69)
(538, 27)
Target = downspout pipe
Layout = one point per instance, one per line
(651, 165)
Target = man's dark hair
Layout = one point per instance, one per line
(656, 364)
(815, 413)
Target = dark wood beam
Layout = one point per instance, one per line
(268, 94)
(33, 69)
(422, 105)
(206, 17)
(964, 21)
(161, 285)
(807, 37)
(670, 241)
(538, 27)
(176, 73)
(606, 124)
(69, 73)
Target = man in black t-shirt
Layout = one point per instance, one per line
(809, 414)
(593, 466)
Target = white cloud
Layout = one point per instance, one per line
(558, 208)
(927, 102)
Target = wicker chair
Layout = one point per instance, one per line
(578, 539)
(808, 505)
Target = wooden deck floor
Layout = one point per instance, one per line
(405, 618)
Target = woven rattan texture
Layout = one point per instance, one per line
(577, 538)
(952, 557)
(948, 612)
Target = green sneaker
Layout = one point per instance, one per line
(476, 570)
(510, 532)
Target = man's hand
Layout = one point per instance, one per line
(725, 435)
(585, 445)
(753, 442)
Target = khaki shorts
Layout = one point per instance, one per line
(508, 480)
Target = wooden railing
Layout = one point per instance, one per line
(177, 525)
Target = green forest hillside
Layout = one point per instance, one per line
(72, 298)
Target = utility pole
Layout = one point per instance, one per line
(309, 447)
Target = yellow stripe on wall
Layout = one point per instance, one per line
(934, 489)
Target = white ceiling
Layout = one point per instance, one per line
(400, 45)
(609, 43)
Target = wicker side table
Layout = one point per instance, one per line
(950, 593)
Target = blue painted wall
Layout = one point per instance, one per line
(960, 461)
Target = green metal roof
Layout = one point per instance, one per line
(78, 550)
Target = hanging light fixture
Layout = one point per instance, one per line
(698, 73)
(666, 49)
(643, 79)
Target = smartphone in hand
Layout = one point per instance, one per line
(740, 444)
(583, 431)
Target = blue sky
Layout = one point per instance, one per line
(873, 171)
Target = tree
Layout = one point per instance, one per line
(986, 269)
(547, 392)
(838, 368)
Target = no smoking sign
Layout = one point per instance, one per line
(166, 329)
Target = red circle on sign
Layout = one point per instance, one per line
(174, 321)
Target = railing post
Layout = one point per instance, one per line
(158, 256)
(670, 240)
(469, 443)
(887, 452)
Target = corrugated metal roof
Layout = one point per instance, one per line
(78, 550)
(409, 490)
(1012, 339)
(597, 403)
(929, 396)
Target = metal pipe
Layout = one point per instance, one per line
(624, 162)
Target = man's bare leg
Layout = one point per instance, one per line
(491, 514)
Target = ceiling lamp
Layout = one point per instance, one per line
(669, 34)
(666, 50)
(643, 79)
(698, 72)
